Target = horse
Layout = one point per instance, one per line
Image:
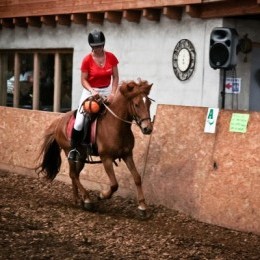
(114, 140)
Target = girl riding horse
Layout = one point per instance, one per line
(114, 140)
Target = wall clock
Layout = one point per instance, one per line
(183, 59)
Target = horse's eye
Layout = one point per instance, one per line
(136, 105)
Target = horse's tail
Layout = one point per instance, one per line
(51, 161)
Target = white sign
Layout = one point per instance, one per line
(233, 85)
(211, 120)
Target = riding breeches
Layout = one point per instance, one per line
(78, 125)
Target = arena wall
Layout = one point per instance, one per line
(213, 177)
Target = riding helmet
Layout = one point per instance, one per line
(96, 38)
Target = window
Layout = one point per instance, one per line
(36, 79)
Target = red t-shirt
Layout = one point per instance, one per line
(99, 76)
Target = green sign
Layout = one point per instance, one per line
(239, 123)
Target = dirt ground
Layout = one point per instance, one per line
(39, 221)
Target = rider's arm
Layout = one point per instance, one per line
(115, 79)
(85, 84)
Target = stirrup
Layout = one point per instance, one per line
(74, 155)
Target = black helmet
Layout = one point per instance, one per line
(96, 38)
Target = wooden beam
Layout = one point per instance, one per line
(132, 15)
(174, 13)
(113, 16)
(193, 11)
(95, 9)
(79, 18)
(34, 21)
(152, 14)
(211, 1)
(48, 20)
(230, 8)
(7, 22)
(16, 8)
(95, 18)
(20, 21)
(63, 19)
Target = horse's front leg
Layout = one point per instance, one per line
(108, 165)
(79, 192)
(138, 182)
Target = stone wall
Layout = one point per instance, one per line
(213, 177)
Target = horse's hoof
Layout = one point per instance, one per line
(104, 197)
(88, 206)
(143, 214)
(101, 196)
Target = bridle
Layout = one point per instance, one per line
(136, 121)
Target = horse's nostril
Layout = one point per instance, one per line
(147, 130)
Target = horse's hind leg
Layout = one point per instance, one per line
(138, 182)
(80, 194)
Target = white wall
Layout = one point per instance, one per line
(144, 50)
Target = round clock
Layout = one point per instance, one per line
(183, 59)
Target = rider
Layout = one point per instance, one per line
(97, 69)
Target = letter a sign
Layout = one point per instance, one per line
(211, 120)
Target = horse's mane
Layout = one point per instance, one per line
(131, 89)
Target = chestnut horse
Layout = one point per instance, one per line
(114, 140)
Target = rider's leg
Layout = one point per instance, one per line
(76, 136)
(86, 131)
(74, 143)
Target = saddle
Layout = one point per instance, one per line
(88, 133)
(92, 108)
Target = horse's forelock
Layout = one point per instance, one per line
(128, 88)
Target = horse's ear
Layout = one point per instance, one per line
(146, 88)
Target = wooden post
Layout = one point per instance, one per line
(57, 83)
(3, 79)
(36, 81)
(17, 71)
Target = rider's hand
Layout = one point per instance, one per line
(95, 94)
(110, 98)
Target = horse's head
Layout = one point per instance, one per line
(139, 103)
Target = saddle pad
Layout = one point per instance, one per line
(93, 130)
(70, 126)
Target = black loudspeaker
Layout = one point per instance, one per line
(223, 48)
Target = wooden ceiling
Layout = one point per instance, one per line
(24, 13)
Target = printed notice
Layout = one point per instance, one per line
(233, 85)
(239, 123)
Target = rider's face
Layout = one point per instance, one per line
(98, 49)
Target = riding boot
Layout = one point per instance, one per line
(74, 143)
(86, 132)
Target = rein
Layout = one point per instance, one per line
(115, 115)
(136, 121)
